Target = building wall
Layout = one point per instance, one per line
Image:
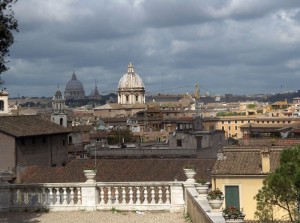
(248, 188)
(57, 119)
(231, 125)
(7, 151)
(42, 150)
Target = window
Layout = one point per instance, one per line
(235, 121)
(229, 128)
(229, 122)
(1, 105)
(61, 121)
(222, 127)
(236, 128)
(136, 98)
(70, 139)
(127, 98)
(179, 142)
(232, 196)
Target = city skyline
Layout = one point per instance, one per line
(238, 47)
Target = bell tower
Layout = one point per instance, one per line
(3, 101)
(58, 115)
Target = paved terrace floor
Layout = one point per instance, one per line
(92, 217)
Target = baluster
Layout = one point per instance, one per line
(109, 201)
(72, 192)
(79, 195)
(152, 195)
(42, 196)
(124, 195)
(64, 195)
(57, 201)
(25, 197)
(145, 195)
(117, 195)
(130, 196)
(159, 195)
(51, 198)
(138, 195)
(167, 195)
(101, 191)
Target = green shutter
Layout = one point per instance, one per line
(232, 196)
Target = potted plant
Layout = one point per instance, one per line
(215, 198)
(190, 172)
(233, 214)
(90, 173)
(202, 186)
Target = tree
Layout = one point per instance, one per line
(8, 24)
(281, 189)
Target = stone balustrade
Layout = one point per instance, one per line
(166, 196)
(51, 196)
(176, 196)
(134, 196)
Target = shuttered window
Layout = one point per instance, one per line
(232, 196)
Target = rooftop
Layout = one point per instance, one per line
(119, 170)
(29, 125)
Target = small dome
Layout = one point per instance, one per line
(74, 84)
(130, 79)
(58, 94)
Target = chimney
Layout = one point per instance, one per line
(265, 160)
(220, 155)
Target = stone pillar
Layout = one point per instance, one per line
(88, 196)
(177, 196)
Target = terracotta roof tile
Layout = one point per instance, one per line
(244, 161)
(119, 170)
(29, 125)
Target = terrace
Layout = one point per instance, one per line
(141, 197)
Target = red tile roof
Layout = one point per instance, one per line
(119, 170)
(244, 161)
(29, 125)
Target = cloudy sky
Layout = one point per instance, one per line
(227, 46)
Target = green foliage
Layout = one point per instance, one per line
(115, 210)
(232, 212)
(201, 181)
(116, 136)
(190, 166)
(281, 189)
(8, 24)
(187, 218)
(223, 113)
(251, 106)
(215, 194)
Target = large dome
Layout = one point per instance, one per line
(74, 84)
(74, 89)
(130, 80)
